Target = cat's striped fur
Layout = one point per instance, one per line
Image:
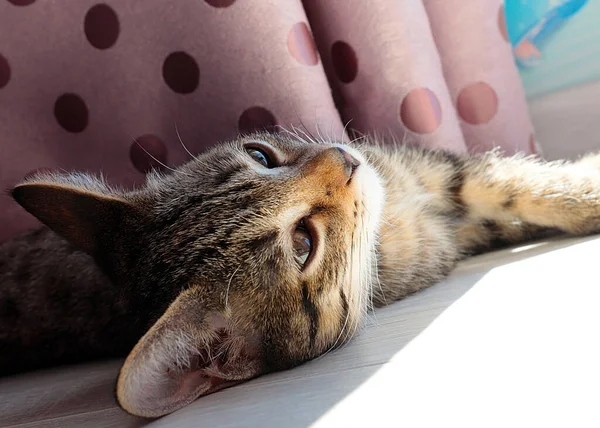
(198, 268)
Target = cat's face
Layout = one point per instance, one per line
(263, 249)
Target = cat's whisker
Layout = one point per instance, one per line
(344, 331)
(331, 133)
(294, 134)
(321, 140)
(309, 135)
(158, 161)
(319, 134)
(339, 336)
(287, 131)
(217, 356)
(325, 139)
(229, 285)
(354, 140)
(300, 137)
(368, 251)
(182, 144)
(375, 261)
(312, 137)
(375, 275)
(297, 135)
(316, 122)
(358, 320)
(358, 136)
(351, 296)
(382, 219)
(366, 278)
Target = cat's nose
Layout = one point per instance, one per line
(333, 165)
(350, 163)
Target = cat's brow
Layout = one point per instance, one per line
(235, 190)
(318, 209)
(225, 176)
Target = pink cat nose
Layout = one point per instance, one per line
(350, 163)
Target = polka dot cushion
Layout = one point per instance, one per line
(120, 87)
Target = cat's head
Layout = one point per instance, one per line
(255, 256)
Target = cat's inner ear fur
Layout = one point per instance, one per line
(80, 208)
(190, 351)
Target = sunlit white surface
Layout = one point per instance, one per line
(528, 247)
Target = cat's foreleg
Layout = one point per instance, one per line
(560, 195)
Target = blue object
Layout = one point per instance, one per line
(530, 23)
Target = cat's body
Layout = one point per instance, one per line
(441, 207)
(210, 242)
(58, 307)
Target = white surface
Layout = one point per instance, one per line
(511, 339)
(567, 123)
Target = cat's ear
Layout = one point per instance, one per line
(188, 353)
(80, 208)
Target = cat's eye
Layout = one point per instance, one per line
(260, 156)
(302, 244)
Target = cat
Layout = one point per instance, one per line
(257, 255)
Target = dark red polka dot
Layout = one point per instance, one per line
(420, 111)
(4, 72)
(345, 62)
(477, 103)
(71, 112)
(256, 119)
(37, 171)
(21, 2)
(101, 26)
(220, 3)
(148, 152)
(181, 73)
(301, 45)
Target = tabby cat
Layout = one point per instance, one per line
(257, 255)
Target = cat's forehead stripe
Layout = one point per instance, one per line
(345, 307)
(226, 175)
(312, 312)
